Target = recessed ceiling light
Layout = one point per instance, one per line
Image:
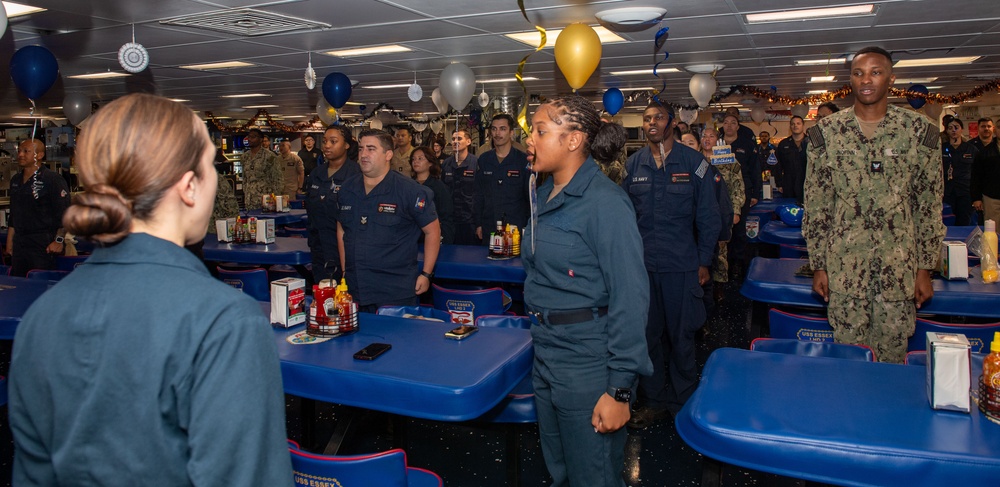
(815, 62)
(245, 95)
(104, 75)
(936, 61)
(907, 81)
(260, 106)
(353, 103)
(643, 71)
(222, 65)
(386, 87)
(817, 92)
(934, 87)
(369, 51)
(532, 37)
(506, 80)
(704, 68)
(822, 79)
(55, 108)
(811, 13)
(632, 17)
(179, 100)
(17, 9)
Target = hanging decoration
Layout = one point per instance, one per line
(658, 42)
(415, 92)
(310, 74)
(484, 99)
(76, 107)
(337, 89)
(132, 56)
(3, 19)
(613, 101)
(578, 52)
(439, 102)
(457, 85)
(522, 113)
(325, 112)
(702, 86)
(34, 70)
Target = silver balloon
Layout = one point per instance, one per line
(457, 84)
(3, 19)
(326, 113)
(76, 106)
(688, 116)
(800, 110)
(702, 87)
(376, 124)
(439, 101)
(419, 126)
(436, 126)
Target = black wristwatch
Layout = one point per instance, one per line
(59, 239)
(620, 394)
(428, 275)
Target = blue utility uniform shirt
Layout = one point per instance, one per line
(321, 206)
(587, 255)
(745, 150)
(461, 181)
(676, 208)
(381, 229)
(502, 191)
(792, 160)
(957, 165)
(37, 205)
(140, 367)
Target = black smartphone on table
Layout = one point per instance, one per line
(372, 351)
(461, 332)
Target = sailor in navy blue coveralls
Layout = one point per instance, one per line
(321, 206)
(678, 218)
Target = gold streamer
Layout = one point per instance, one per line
(522, 114)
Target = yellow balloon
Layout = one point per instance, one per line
(578, 52)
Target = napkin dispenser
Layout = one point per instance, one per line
(288, 302)
(954, 260)
(265, 231)
(225, 229)
(948, 371)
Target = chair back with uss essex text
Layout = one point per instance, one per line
(252, 282)
(386, 469)
(979, 335)
(813, 349)
(800, 327)
(465, 306)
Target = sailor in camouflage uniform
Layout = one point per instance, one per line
(873, 212)
(225, 204)
(261, 171)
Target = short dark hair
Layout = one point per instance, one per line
(258, 131)
(830, 106)
(384, 139)
(504, 116)
(874, 50)
(309, 136)
(654, 103)
(406, 128)
(986, 119)
(956, 120)
(793, 118)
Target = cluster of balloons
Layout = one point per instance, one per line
(578, 52)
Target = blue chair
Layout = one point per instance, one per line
(519, 405)
(46, 275)
(69, 262)
(800, 327)
(253, 282)
(281, 271)
(297, 204)
(467, 305)
(786, 251)
(3, 391)
(424, 312)
(383, 469)
(297, 232)
(979, 335)
(5, 270)
(813, 349)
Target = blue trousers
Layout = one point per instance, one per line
(570, 375)
(676, 312)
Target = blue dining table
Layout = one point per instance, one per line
(773, 281)
(835, 421)
(777, 233)
(16, 296)
(285, 250)
(472, 263)
(424, 375)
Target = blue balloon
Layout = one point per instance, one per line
(916, 103)
(791, 215)
(614, 100)
(34, 70)
(336, 89)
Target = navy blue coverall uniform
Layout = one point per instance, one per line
(502, 191)
(461, 181)
(36, 211)
(679, 220)
(792, 160)
(957, 165)
(381, 229)
(585, 279)
(159, 374)
(321, 206)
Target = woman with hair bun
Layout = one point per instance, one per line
(139, 367)
(587, 291)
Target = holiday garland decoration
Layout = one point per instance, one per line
(315, 123)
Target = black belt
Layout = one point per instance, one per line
(568, 316)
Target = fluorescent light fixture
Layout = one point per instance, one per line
(245, 95)
(817, 92)
(222, 117)
(506, 80)
(643, 71)
(819, 62)
(179, 100)
(532, 37)
(386, 87)
(104, 75)
(934, 87)
(295, 116)
(222, 65)
(822, 79)
(18, 9)
(369, 51)
(55, 108)
(811, 13)
(640, 88)
(935, 61)
(353, 103)
(907, 81)
(261, 106)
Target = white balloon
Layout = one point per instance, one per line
(757, 114)
(415, 92)
(702, 87)
(376, 124)
(439, 101)
(457, 84)
(326, 113)
(3, 20)
(76, 106)
(688, 116)
(800, 110)
(436, 126)
(419, 126)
